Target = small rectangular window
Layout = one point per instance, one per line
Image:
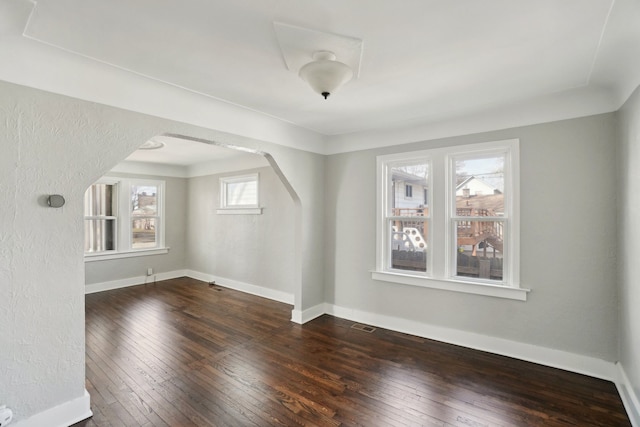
(408, 191)
(240, 195)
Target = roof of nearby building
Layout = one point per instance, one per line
(494, 203)
(472, 178)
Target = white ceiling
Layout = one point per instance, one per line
(185, 158)
(423, 61)
(182, 152)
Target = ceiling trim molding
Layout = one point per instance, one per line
(43, 66)
(580, 102)
(35, 64)
(192, 171)
(153, 169)
(29, 63)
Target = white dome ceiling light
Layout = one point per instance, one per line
(324, 74)
(151, 144)
(335, 58)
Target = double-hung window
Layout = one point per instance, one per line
(123, 217)
(406, 222)
(100, 217)
(145, 215)
(463, 234)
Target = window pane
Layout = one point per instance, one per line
(480, 249)
(243, 193)
(143, 233)
(409, 245)
(99, 235)
(144, 200)
(480, 186)
(98, 200)
(409, 188)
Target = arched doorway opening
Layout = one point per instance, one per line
(256, 253)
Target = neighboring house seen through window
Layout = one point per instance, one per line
(463, 234)
(145, 217)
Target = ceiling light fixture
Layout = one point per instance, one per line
(324, 74)
(151, 145)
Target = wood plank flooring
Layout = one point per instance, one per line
(181, 353)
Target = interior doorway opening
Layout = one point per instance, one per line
(193, 235)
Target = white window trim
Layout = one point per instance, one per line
(124, 197)
(239, 211)
(441, 262)
(383, 235)
(123, 220)
(476, 288)
(102, 256)
(252, 209)
(116, 218)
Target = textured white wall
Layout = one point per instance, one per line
(629, 237)
(49, 145)
(253, 249)
(567, 243)
(175, 238)
(54, 144)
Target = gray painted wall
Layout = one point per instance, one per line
(568, 239)
(55, 144)
(253, 249)
(175, 238)
(628, 238)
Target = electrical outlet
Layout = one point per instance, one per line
(149, 271)
(5, 416)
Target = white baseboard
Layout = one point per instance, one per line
(302, 317)
(132, 281)
(260, 291)
(629, 397)
(222, 281)
(62, 415)
(545, 356)
(572, 362)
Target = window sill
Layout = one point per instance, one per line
(491, 290)
(239, 211)
(103, 256)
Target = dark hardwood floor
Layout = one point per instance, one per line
(181, 353)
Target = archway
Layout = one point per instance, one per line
(203, 255)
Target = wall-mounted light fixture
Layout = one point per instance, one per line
(55, 201)
(151, 144)
(324, 74)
